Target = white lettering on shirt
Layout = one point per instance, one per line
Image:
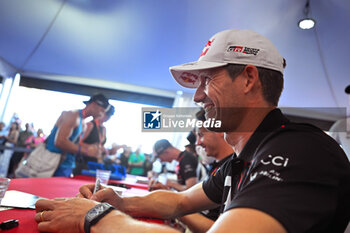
(275, 160)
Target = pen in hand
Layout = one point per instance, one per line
(152, 183)
(97, 185)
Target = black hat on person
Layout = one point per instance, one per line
(160, 146)
(191, 138)
(98, 99)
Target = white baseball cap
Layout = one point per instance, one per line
(230, 47)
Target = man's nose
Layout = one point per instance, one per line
(199, 141)
(199, 95)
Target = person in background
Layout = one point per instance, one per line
(2, 128)
(95, 134)
(3, 133)
(124, 157)
(202, 169)
(214, 146)
(11, 141)
(67, 130)
(107, 151)
(185, 169)
(17, 155)
(13, 135)
(287, 177)
(24, 135)
(191, 138)
(136, 162)
(147, 165)
(33, 141)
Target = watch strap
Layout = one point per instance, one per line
(102, 208)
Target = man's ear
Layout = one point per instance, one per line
(251, 74)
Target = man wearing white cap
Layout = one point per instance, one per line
(286, 178)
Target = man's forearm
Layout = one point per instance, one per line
(177, 186)
(189, 183)
(66, 145)
(119, 222)
(158, 204)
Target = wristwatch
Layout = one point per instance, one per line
(95, 214)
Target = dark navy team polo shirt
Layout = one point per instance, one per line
(294, 172)
(187, 167)
(213, 214)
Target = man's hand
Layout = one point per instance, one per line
(156, 185)
(103, 195)
(62, 214)
(92, 150)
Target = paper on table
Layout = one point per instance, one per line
(118, 190)
(142, 180)
(5, 208)
(17, 199)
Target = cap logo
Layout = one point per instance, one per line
(206, 47)
(241, 49)
(188, 77)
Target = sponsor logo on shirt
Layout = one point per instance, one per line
(275, 160)
(271, 174)
(188, 168)
(253, 176)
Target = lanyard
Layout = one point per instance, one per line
(101, 132)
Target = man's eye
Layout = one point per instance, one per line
(207, 80)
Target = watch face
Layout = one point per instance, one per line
(95, 212)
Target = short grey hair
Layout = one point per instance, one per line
(271, 81)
